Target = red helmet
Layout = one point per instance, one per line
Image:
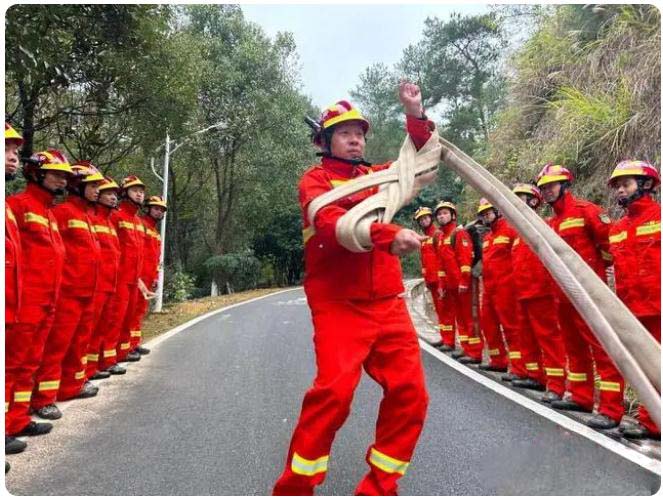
(634, 167)
(157, 201)
(553, 173)
(12, 135)
(43, 161)
(340, 112)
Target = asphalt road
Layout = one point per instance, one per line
(210, 412)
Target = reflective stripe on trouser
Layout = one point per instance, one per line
(580, 375)
(24, 347)
(490, 328)
(439, 311)
(448, 318)
(75, 362)
(137, 322)
(653, 325)
(124, 341)
(70, 316)
(102, 302)
(503, 298)
(473, 347)
(378, 336)
(529, 344)
(112, 325)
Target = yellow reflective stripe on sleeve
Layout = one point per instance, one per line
(474, 341)
(571, 223)
(502, 240)
(308, 233)
(441, 273)
(447, 241)
(308, 467)
(101, 229)
(45, 386)
(109, 353)
(136, 334)
(515, 355)
(337, 181)
(493, 352)
(93, 357)
(532, 366)
(10, 214)
(446, 327)
(140, 227)
(387, 463)
(125, 346)
(125, 225)
(554, 371)
(22, 396)
(35, 218)
(577, 376)
(463, 337)
(77, 224)
(618, 238)
(80, 374)
(465, 268)
(609, 386)
(648, 229)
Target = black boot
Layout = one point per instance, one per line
(142, 350)
(133, 357)
(528, 383)
(100, 375)
(14, 445)
(602, 422)
(569, 405)
(88, 390)
(34, 429)
(50, 411)
(488, 367)
(116, 369)
(468, 360)
(445, 348)
(638, 431)
(550, 397)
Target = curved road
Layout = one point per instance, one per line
(211, 409)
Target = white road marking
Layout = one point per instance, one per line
(564, 421)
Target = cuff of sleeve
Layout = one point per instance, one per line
(420, 126)
(382, 235)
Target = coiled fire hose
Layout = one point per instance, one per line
(634, 351)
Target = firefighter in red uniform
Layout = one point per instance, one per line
(62, 371)
(13, 141)
(358, 317)
(540, 339)
(497, 307)
(585, 227)
(156, 209)
(430, 272)
(635, 244)
(43, 256)
(454, 253)
(106, 233)
(131, 233)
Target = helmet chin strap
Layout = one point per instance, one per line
(641, 191)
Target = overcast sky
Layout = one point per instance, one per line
(335, 43)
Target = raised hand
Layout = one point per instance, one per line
(410, 96)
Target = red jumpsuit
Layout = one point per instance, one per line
(130, 231)
(109, 243)
(497, 306)
(430, 272)
(635, 244)
(12, 292)
(360, 322)
(584, 226)
(454, 252)
(43, 255)
(62, 370)
(149, 274)
(541, 342)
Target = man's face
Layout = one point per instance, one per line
(136, 193)
(91, 191)
(425, 221)
(624, 187)
(108, 198)
(530, 201)
(551, 191)
(11, 159)
(55, 181)
(443, 216)
(488, 216)
(157, 212)
(348, 141)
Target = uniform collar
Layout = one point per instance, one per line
(129, 207)
(100, 209)
(498, 224)
(430, 230)
(640, 205)
(343, 167)
(40, 194)
(565, 201)
(79, 202)
(449, 228)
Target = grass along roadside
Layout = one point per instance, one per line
(178, 313)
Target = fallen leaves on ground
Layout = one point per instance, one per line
(178, 313)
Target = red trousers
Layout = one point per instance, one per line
(471, 344)
(581, 347)
(541, 342)
(24, 347)
(653, 325)
(439, 311)
(124, 345)
(447, 316)
(136, 330)
(102, 303)
(73, 323)
(498, 308)
(119, 314)
(377, 335)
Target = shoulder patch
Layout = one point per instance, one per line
(603, 217)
